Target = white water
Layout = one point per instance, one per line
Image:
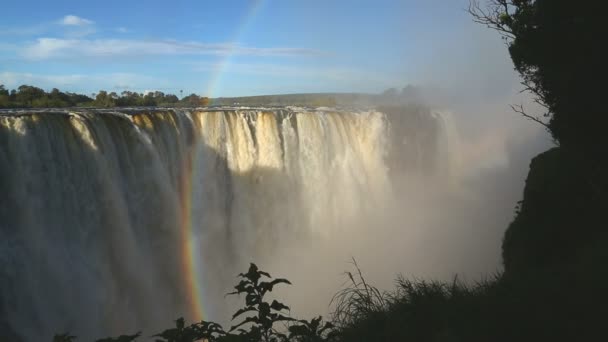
(92, 206)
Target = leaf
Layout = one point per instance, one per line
(279, 281)
(246, 320)
(281, 318)
(208, 329)
(327, 326)
(314, 323)
(278, 306)
(64, 338)
(252, 299)
(252, 274)
(180, 323)
(264, 309)
(121, 338)
(242, 285)
(298, 330)
(242, 311)
(268, 286)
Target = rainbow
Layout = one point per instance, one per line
(190, 247)
(192, 265)
(216, 74)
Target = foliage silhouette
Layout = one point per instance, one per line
(357, 300)
(553, 287)
(313, 331)
(500, 308)
(259, 324)
(64, 338)
(121, 338)
(198, 331)
(554, 47)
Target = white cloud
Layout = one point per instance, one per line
(77, 27)
(74, 26)
(72, 20)
(121, 29)
(48, 48)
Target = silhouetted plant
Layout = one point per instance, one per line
(313, 331)
(64, 338)
(357, 300)
(198, 331)
(121, 338)
(259, 325)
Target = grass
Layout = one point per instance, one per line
(569, 303)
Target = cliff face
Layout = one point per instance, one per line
(561, 217)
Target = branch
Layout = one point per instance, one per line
(491, 17)
(520, 109)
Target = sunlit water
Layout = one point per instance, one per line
(114, 222)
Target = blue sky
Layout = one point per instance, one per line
(231, 48)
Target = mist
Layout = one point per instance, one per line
(447, 224)
(301, 192)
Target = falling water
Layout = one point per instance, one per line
(114, 222)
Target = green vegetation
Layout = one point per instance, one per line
(566, 307)
(554, 46)
(554, 252)
(260, 324)
(151, 99)
(32, 97)
(569, 306)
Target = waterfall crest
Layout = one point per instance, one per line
(98, 207)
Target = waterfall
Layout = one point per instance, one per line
(114, 222)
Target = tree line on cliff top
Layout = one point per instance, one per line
(26, 96)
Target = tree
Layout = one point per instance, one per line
(128, 98)
(149, 99)
(556, 46)
(103, 99)
(76, 99)
(170, 98)
(59, 99)
(194, 100)
(4, 97)
(27, 94)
